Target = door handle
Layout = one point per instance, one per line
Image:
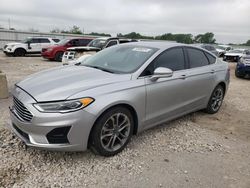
(183, 76)
(212, 71)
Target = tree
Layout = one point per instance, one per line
(207, 38)
(100, 34)
(181, 38)
(247, 43)
(75, 30)
(134, 35)
(55, 30)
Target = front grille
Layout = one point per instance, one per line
(22, 112)
(23, 134)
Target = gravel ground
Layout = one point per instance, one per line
(198, 150)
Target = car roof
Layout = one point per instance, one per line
(157, 44)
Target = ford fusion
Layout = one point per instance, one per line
(102, 101)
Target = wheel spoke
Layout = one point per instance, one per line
(106, 135)
(113, 142)
(123, 127)
(109, 142)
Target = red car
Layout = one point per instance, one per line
(56, 52)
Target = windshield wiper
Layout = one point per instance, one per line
(100, 68)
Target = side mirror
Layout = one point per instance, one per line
(161, 72)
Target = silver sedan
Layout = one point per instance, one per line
(101, 102)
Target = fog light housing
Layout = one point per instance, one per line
(58, 135)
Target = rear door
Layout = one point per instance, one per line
(34, 46)
(44, 42)
(201, 75)
(84, 42)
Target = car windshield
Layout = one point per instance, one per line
(120, 59)
(98, 43)
(236, 51)
(63, 41)
(221, 47)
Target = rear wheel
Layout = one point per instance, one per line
(238, 75)
(19, 52)
(215, 100)
(112, 132)
(58, 56)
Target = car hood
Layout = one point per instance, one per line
(233, 54)
(220, 50)
(14, 43)
(60, 83)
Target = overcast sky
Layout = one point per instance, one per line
(228, 19)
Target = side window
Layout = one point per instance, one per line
(172, 59)
(196, 58)
(84, 42)
(112, 43)
(34, 40)
(44, 41)
(56, 40)
(211, 58)
(74, 42)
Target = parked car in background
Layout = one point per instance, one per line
(235, 55)
(94, 46)
(243, 67)
(222, 49)
(208, 47)
(56, 52)
(120, 91)
(31, 45)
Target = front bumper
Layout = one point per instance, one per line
(35, 133)
(47, 54)
(243, 69)
(231, 58)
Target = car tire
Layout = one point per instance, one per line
(111, 132)
(238, 75)
(19, 52)
(215, 100)
(58, 56)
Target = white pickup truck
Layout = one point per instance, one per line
(31, 45)
(74, 54)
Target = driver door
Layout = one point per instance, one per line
(166, 97)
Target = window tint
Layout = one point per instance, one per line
(44, 41)
(56, 40)
(34, 41)
(172, 59)
(84, 42)
(112, 43)
(74, 42)
(197, 58)
(211, 58)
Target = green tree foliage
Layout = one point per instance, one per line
(247, 43)
(207, 38)
(134, 35)
(182, 38)
(100, 34)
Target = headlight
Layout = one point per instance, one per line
(64, 106)
(49, 49)
(11, 46)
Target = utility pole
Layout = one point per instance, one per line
(9, 22)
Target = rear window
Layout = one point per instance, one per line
(44, 41)
(211, 58)
(56, 40)
(196, 58)
(84, 42)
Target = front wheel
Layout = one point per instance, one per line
(238, 75)
(58, 56)
(215, 100)
(19, 52)
(112, 131)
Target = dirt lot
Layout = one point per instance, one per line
(198, 150)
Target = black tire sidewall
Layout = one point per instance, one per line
(58, 56)
(19, 52)
(209, 108)
(95, 142)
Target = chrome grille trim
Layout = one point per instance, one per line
(22, 112)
